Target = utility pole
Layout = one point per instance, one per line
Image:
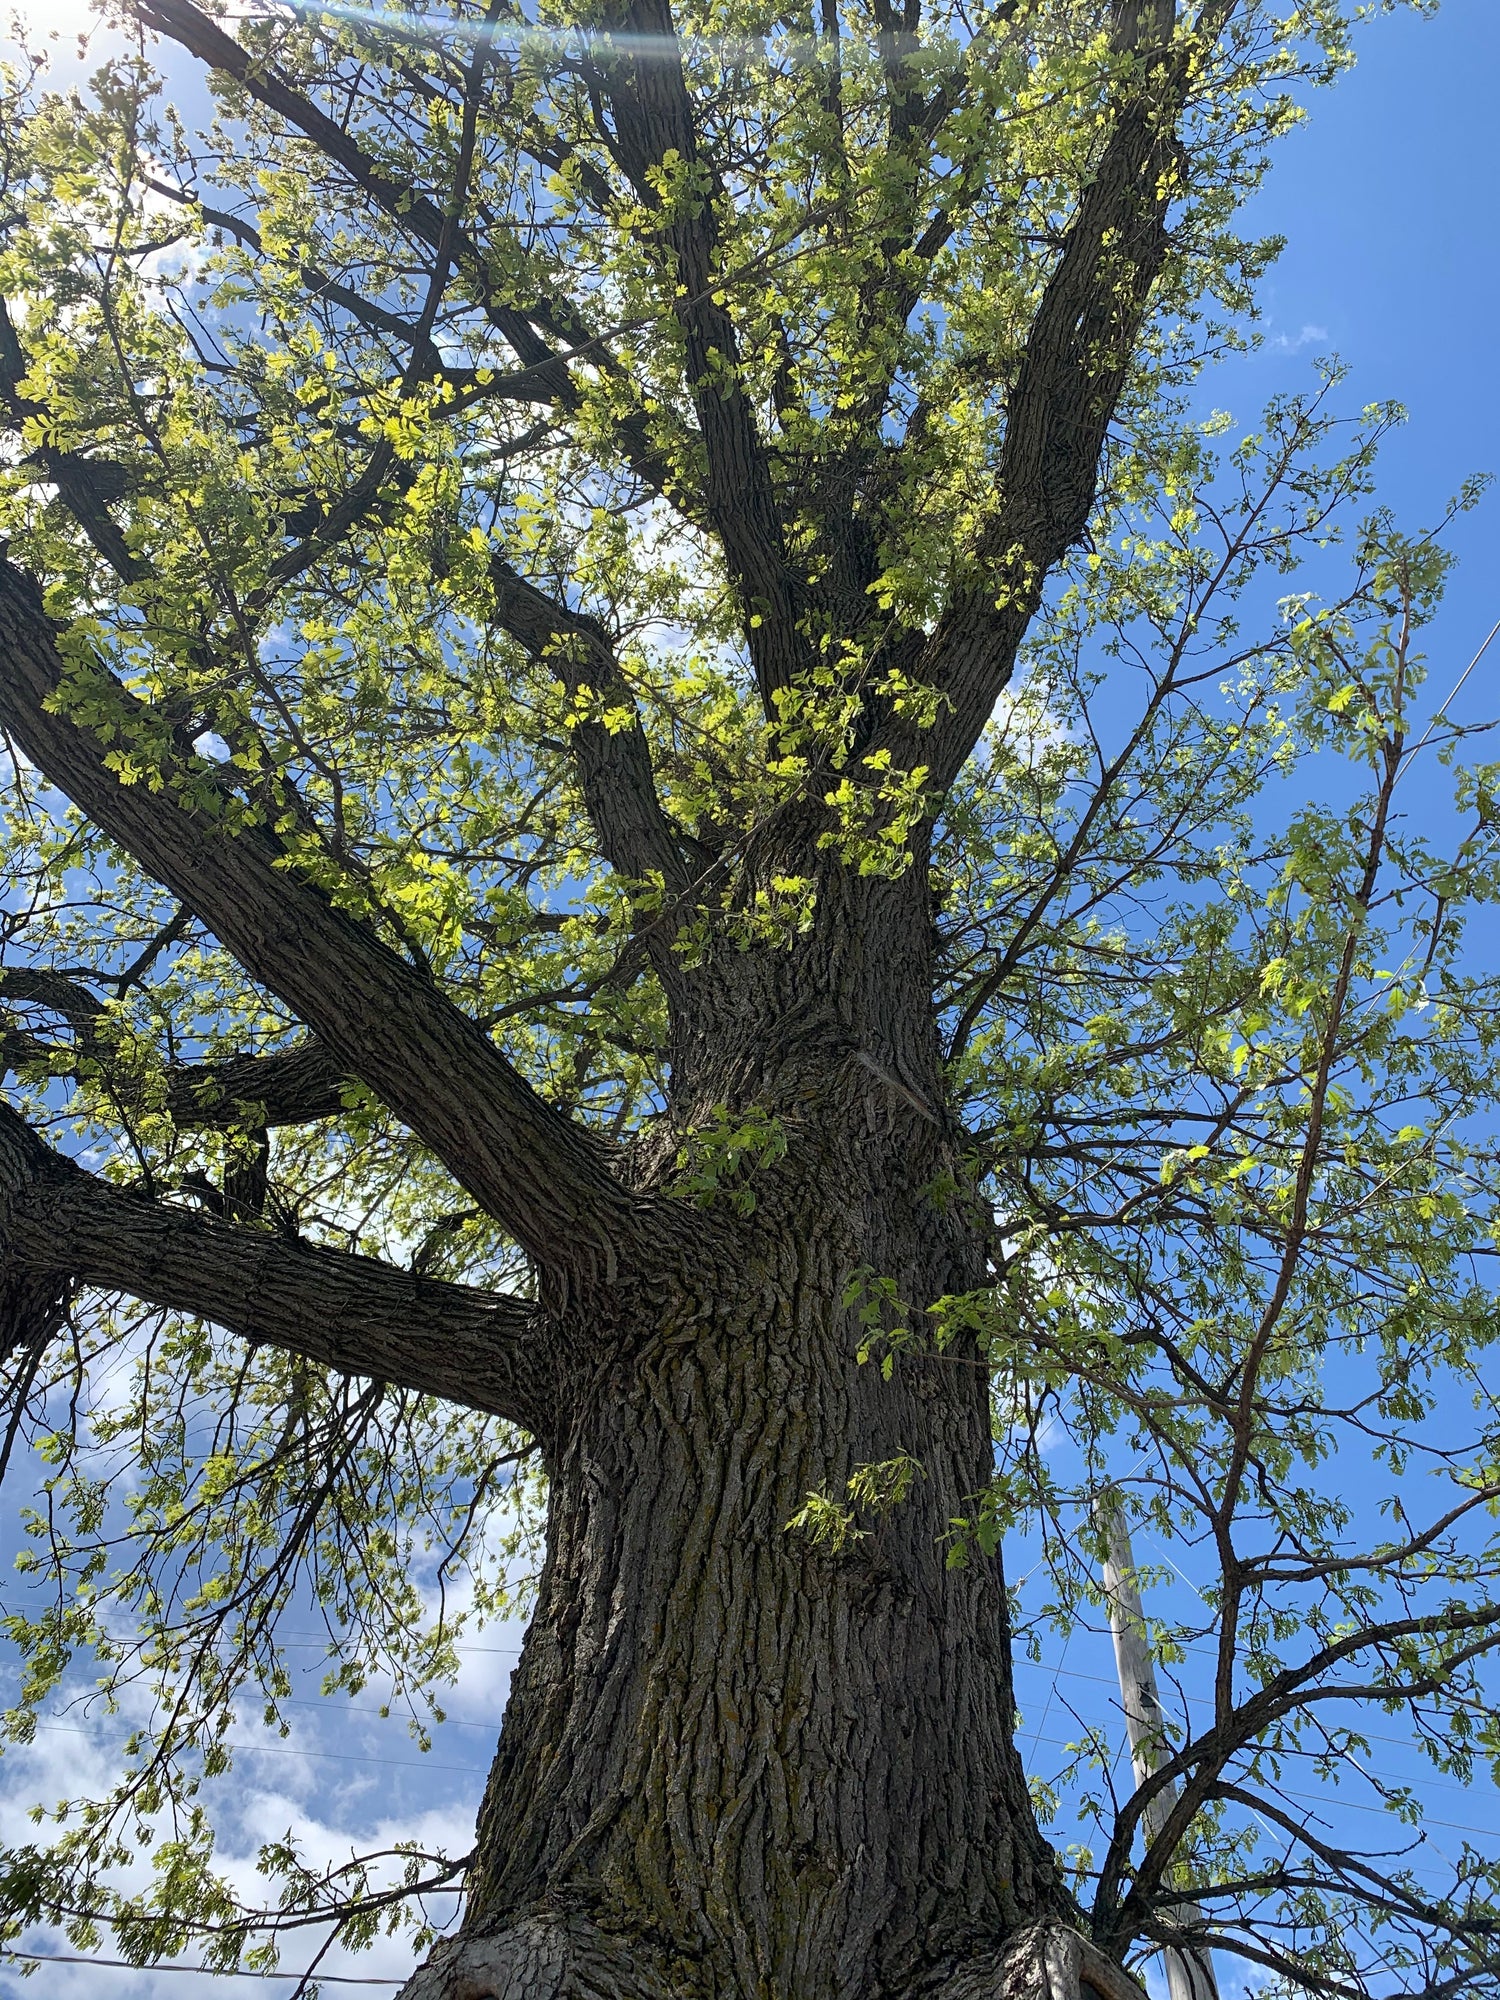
(1190, 1971)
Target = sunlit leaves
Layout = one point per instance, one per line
(310, 446)
(1222, 1015)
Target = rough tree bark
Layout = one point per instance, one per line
(738, 1762)
(735, 1761)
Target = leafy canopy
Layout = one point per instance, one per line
(392, 552)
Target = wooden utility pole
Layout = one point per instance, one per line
(1190, 1972)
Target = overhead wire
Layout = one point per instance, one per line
(203, 1971)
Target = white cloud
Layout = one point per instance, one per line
(344, 1780)
(1293, 343)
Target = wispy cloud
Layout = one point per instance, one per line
(343, 1779)
(1293, 343)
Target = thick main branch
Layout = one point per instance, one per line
(382, 1019)
(59, 1225)
(654, 135)
(1073, 368)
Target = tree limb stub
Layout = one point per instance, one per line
(1045, 1961)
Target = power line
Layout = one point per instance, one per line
(1368, 1735)
(291, 1750)
(424, 1763)
(1452, 695)
(203, 1971)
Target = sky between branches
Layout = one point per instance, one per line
(1388, 197)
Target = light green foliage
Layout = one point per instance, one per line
(722, 1156)
(873, 1490)
(1225, 1058)
(1230, 1051)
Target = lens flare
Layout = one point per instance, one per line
(524, 36)
(600, 42)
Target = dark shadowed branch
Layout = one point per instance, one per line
(61, 1227)
(289, 1086)
(655, 135)
(1072, 370)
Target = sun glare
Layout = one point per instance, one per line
(65, 19)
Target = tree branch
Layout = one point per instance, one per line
(544, 373)
(33, 1299)
(61, 1226)
(81, 482)
(411, 209)
(381, 1019)
(1072, 371)
(655, 135)
(367, 312)
(288, 1087)
(614, 766)
(1198, 1764)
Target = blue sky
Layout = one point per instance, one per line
(1390, 199)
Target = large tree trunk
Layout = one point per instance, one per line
(738, 1762)
(741, 1763)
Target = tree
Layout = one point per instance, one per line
(646, 877)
